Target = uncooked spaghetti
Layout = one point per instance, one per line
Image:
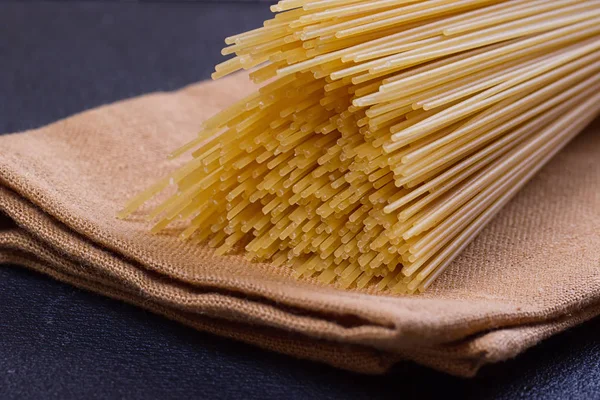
(385, 134)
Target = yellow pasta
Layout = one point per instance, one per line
(385, 134)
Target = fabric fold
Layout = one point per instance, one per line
(533, 272)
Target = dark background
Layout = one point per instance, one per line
(59, 58)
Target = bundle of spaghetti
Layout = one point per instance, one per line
(385, 134)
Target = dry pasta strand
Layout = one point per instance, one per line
(385, 134)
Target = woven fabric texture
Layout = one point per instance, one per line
(531, 273)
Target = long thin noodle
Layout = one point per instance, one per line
(386, 133)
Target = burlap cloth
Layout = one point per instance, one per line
(534, 271)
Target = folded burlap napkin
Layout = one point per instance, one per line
(534, 271)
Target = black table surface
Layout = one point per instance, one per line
(56, 341)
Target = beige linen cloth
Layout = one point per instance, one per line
(534, 271)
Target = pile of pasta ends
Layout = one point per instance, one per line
(384, 134)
